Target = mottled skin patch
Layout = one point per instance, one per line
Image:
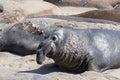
(19, 26)
(23, 37)
(79, 50)
(31, 27)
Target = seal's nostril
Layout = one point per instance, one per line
(40, 57)
(1, 8)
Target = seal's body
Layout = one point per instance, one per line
(15, 10)
(100, 4)
(112, 15)
(79, 50)
(23, 37)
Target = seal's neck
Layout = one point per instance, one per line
(72, 62)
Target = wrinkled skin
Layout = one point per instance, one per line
(78, 50)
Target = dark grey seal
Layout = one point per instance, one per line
(23, 38)
(79, 50)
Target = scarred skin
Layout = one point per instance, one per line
(101, 14)
(79, 50)
(23, 38)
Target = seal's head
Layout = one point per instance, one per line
(50, 46)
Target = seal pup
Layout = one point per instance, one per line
(112, 15)
(79, 50)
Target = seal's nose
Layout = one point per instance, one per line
(1, 8)
(37, 57)
(40, 57)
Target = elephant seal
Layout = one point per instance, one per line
(79, 50)
(101, 14)
(22, 38)
(15, 10)
(100, 4)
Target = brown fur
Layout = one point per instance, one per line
(100, 4)
(113, 15)
(26, 9)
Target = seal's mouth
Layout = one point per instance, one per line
(43, 51)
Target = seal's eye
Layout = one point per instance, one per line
(54, 38)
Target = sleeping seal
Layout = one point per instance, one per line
(101, 14)
(15, 10)
(100, 4)
(23, 38)
(79, 50)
